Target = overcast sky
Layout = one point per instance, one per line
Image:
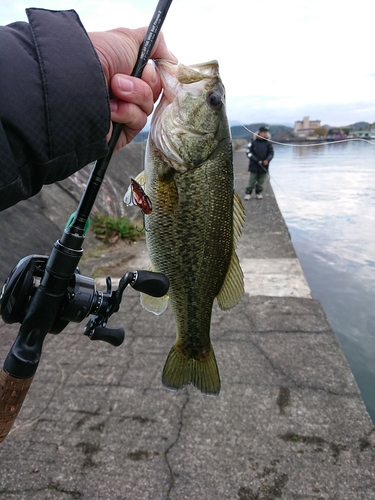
(279, 60)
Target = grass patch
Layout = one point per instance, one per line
(110, 230)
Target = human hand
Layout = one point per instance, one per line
(131, 99)
(265, 162)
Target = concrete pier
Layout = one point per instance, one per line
(289, 423)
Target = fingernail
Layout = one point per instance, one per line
(125, 83)
(113, 105)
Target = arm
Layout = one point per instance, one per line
(269, 152)
(253, 158)
(59, 90)
(54, 107)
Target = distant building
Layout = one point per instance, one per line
(337, 135)
(305, 127)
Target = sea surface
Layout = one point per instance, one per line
(326, 194)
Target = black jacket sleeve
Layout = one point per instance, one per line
(54, 103)
(269, 152)
(253, 157)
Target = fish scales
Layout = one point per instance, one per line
(191, 231)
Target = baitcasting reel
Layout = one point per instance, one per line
(81, 298)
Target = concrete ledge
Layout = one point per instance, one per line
(289, 423)
(274, 277)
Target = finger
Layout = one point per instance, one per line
(131, 116)
(126, 136)
(128, 114)
(152, 78)
(133, 90)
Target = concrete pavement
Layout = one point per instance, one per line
(289, 423)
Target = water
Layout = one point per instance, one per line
(327, 197)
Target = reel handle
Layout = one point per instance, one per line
(113, 336)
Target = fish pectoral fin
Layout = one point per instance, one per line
(141, 178)
(233, 287)
(156, 305)
(181, 370)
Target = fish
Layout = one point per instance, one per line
(196, 219)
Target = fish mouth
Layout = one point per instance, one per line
(175, 75)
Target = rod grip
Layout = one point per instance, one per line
(12, 394)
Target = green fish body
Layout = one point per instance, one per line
(196, 217)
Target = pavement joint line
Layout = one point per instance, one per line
(266, 277)
(180, 427)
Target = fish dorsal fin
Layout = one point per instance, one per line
(233, 286)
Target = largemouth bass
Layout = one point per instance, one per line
(196, 216)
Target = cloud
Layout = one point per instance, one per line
(277, 62)
(275, 110)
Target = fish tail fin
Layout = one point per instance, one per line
(181, 370)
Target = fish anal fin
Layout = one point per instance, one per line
(233, 287)
(156, 305)
(181, 370)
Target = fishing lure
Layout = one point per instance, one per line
(136, 196)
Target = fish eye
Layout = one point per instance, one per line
(214, 100)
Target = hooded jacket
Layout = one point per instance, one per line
(54, 103)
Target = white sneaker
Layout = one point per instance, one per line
(247, 197)
(259, 196)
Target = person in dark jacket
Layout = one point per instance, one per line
(60, 90)
(260, 152)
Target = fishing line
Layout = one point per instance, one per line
(267, 171)
(310, 144)
(278, 185)
(300, 145)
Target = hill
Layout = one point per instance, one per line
(358, 125)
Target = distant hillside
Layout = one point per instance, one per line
(354, 126)
(358, 125)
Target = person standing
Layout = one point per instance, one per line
(260, 153)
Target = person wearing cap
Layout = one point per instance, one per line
(260, 153)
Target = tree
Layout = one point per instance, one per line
(320, 131)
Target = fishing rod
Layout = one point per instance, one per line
(45, 293)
